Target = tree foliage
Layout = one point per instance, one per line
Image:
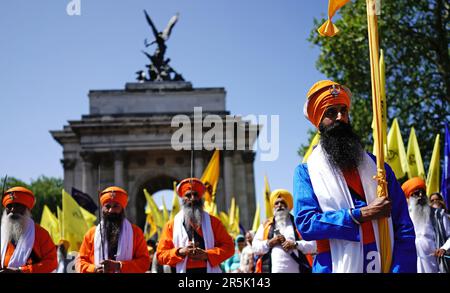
(415, 38)
(47, 191)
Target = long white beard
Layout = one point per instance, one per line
(281, 218)
(420, 215)
(192, 215)
(11, 228)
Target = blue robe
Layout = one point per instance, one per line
(314, 224)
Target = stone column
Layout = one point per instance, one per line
(199, 166)
(248, 157)
(69, 174)
(228, 174)
(119, 169)
(86, 173)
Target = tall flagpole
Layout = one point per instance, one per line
(383, 228)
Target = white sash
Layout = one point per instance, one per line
(333, 194)
(125, 247)
(23, 248)
(181, 239)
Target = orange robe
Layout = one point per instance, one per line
(223, 247)
(44, 250)
(139, 264)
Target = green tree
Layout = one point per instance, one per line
(415, 38)
(47, 191)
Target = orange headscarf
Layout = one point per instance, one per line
(412, 185)
(323, 94)
(115, 194)
(20, 195)
(189, 184)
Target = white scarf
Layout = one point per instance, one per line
(181, 239)
(333, 194)
(23, 248)
(125, 247)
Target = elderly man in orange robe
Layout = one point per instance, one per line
(25, 246)
(194, 241)
(115, 245)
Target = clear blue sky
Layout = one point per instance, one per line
(256, 49)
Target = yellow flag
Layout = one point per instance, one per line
(74, 224)
(256, 219)
(175, 202)
(313, 143)
(396, 155)
(165, 213)
(328, 29)
(152, 209)
(149, 227)
(50, 223)
(210, 176)
(415, 163)
(88, 217)
(59, 215)
(269, 212)
(433, 176)
(225, 220)
(383, 106)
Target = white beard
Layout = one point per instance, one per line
(12, 229)
(281, 218)
(420, 215)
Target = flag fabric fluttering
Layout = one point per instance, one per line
(313, 143)
(433, 171)
(152, 209)
(445, 184)
(329, 29)
(256, 219)
(269, 212)
(50, 223)
(74, 225)
(175, 202)
(84, 200)
(396, 155)
(414, 158)
(210, 177)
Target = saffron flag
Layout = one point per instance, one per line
(50, 223)
(396, 155)
(152, 209)
(269, 212)
(256, 219)
(165, 213)
(73, 223)
(445, 185)
(313, 143)
(415, 163)
(210, 176)
(383, 107)
(328, 29)
(433, 171)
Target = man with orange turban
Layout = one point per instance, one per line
(114, 245)
(432, 227)
(194, 241)
(335, 199)
(278, 243)
(25, 246)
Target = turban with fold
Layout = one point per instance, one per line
(20, 195)
(115, 194)
(321, 95)
(189, 184)
(283, 193)
(412, 185)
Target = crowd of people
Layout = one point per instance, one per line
(329, 224)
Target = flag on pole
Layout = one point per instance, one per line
(84, 200)
(328, 29)
(88, 217)
(433, 171)
(50, 223)
(445, 185)
(74, 224)
(396, 155)
(210, 177)
(269, 212)
(256, 219)
(165, 213)
(152, 209)
(415, 163)
(313, 143)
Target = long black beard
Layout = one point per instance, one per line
(192, 214)
(113, 225)
(343, 147)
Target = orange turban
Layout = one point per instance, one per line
(115, 194)
(189, 184)
(321, 95)
(286, 195)
(19, 195)
(412, 185)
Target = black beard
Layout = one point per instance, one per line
(113, 225)
(342, 146)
